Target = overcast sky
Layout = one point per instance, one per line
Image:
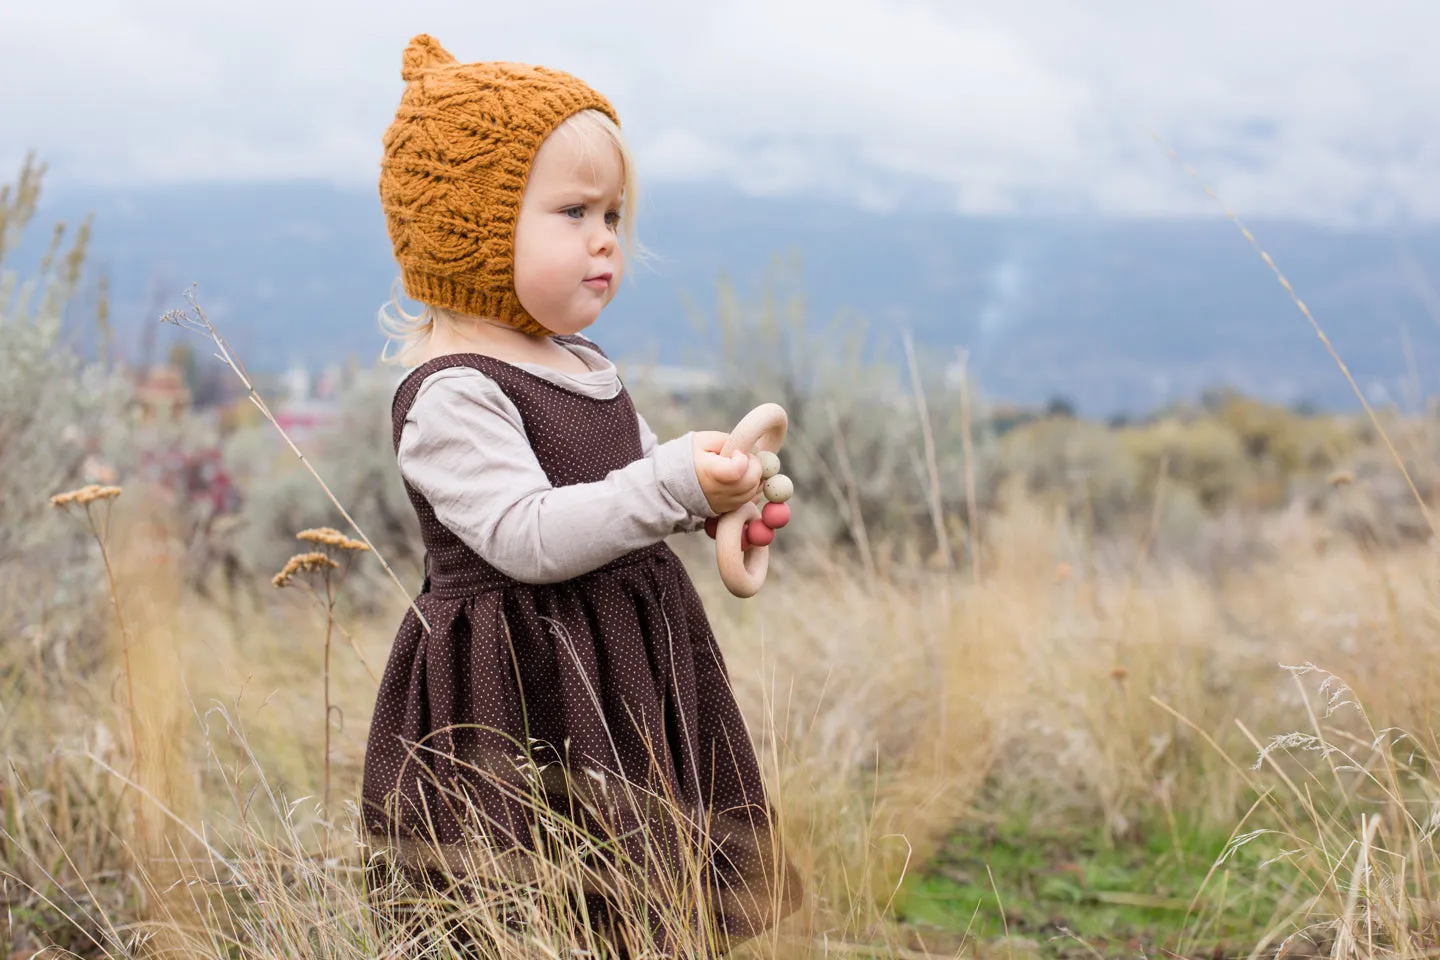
(1312, 108)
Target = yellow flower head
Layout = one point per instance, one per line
(84, 495)
(330, 537)
(301, 563)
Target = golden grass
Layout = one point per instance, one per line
(887, 709)
(167, 806)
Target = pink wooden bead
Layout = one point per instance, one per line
(711, 525)
(775, 515)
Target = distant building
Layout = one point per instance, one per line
(330, 382)
(303, 419)
(307, 404)
(162, 392)
(295, 383)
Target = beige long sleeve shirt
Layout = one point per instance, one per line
(463, 447)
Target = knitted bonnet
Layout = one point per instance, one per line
(457, 157)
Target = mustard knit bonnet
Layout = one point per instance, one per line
(457, 157)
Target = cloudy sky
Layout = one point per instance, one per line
(1319, 109)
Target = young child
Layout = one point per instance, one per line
(563, 632)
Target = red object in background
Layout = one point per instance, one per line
(290, 421)
(198, 478)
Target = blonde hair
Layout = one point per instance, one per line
(589, 126)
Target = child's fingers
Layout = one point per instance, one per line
(754, 471)
(725, 470)
(742, 475)
(710, 441)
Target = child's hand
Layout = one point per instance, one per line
(727, 482)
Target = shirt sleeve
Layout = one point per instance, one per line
(463, 447)
(648, 444)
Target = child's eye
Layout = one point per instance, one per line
(574, 213)
(612, 219)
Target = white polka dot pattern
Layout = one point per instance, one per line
(620, 673)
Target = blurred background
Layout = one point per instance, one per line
(1088, 503)
(984, 175)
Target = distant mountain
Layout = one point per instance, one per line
(1114, 315)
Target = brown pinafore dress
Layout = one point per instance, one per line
(613, 674)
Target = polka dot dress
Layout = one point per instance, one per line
(612, 681)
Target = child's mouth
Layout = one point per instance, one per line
(598, 282)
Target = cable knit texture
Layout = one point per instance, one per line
(457, 157)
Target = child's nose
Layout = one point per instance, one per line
(603, 240)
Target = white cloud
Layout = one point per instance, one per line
(1314, 108)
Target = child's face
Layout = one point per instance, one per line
(568, 260)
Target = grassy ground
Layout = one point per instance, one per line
(1052, 760)
(1066, 891)
(1073, 748)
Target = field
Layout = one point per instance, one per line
(1021, 684)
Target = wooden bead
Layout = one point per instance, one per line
(778, 488)
(711, 525)
(758, 534)
(769, 464)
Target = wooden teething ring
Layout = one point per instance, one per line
(743, 571)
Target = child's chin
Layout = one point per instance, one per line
(576, 322)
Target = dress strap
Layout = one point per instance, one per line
(580, 341)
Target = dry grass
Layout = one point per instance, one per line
(886, 710)
(170, 794)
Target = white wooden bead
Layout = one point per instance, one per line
(778, 488)
(769, 464)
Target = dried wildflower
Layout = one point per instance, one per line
(1341, 478)
(1119, 674)
(84, 495)
(331, 538)
(1294, 741)
(301, 563)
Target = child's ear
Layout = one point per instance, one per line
(423, 53)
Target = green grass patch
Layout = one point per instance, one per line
(1062, 888)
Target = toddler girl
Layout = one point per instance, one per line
(568, 656)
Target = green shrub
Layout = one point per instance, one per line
(1077, 463)
(60, 416)
(1203, 455)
